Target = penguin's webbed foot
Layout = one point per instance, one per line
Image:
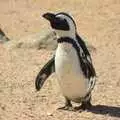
(68, 106)
(84, 106)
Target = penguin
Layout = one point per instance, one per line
(72, 63)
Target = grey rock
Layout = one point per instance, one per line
(42, 40)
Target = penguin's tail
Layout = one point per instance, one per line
(44, 73)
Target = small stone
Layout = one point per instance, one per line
(50, 114)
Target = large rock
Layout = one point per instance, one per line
(42, 40)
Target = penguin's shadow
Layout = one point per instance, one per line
(106, 110)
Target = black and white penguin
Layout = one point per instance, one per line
(72, 63)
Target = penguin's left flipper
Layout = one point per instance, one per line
(44, 73)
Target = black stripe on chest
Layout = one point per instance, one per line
(69, 40)
(77, 48)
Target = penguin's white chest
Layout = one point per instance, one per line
(70, 77)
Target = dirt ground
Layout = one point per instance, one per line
(98, 21)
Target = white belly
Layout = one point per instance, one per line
(70, 77)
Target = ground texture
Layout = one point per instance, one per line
(97, 21)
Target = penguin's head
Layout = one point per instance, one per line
(62, 23)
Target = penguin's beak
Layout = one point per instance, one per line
(49, 16)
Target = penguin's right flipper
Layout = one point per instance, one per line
(44, 73)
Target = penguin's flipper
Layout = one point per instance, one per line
(44, 73)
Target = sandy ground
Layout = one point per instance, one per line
(98, 21)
